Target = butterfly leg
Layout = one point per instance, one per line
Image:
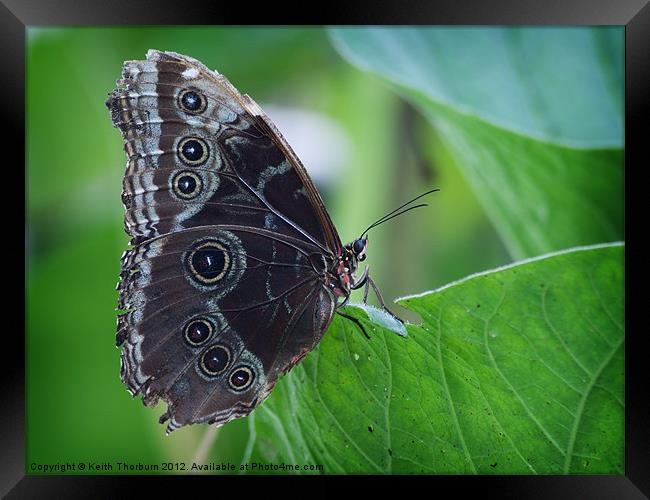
(366, 287)
(365, 292)
(381, 300)
(351, 318)
(363, 280)
(344, 303)
(356, 322)
(366, 280)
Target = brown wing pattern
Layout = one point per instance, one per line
(223, 290)
(250, 173)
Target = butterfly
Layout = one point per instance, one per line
(235, 269)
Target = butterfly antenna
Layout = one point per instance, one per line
(393, 214)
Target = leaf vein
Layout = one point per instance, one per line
(505, 379)
(557, 334)
(583, 402)
(448, 394)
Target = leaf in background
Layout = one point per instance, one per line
(514, 371)
(534, 117)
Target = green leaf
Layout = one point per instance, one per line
(533, 117)
(513, 371)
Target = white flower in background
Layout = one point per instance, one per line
(318, 140)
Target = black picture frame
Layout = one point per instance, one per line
(17, 15)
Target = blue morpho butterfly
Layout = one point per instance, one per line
(236, 269)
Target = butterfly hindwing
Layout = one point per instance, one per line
(262, 304)
(223, 290)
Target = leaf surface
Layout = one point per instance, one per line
(513, 371)
(532, 116)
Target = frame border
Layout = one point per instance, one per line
(16, 16)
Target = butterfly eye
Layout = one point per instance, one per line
(197, 332)
(241, 378)
(363, 257)
(187, 185)
(358, 246)
(215, 360)
(192, 101)
(193, 151)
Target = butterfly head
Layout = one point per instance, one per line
(352, 254)
(355, 252)
(358, 248)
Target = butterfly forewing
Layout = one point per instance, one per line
(259, 182)
(223, 289)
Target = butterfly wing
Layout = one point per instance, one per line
(258, 177)
(223, 290)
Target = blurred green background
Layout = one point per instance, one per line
(366, 147)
